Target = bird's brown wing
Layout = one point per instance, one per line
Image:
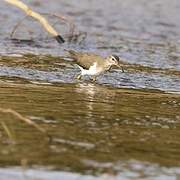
(73, 54)
(84, 59)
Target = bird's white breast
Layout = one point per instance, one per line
(93, 70)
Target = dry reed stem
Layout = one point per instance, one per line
(37, 16)
(17, 25)
(7, 130)
(67, 20)
(26, 120)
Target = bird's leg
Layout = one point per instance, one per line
(122, 69)
(78, 77)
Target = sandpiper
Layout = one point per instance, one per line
(92, 64)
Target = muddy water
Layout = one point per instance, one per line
(95, 129)
(124, 126)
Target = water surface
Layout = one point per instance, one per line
(125, 125)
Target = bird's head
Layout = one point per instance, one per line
(113, 60)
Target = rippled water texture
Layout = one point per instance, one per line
(125, 125)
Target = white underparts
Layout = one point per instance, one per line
(91, 71)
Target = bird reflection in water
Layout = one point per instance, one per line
(97, 99)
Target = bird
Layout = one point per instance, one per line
(92, 64)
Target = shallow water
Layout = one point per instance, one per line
(95, 129)
(124, 126)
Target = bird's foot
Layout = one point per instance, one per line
(93, 79)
